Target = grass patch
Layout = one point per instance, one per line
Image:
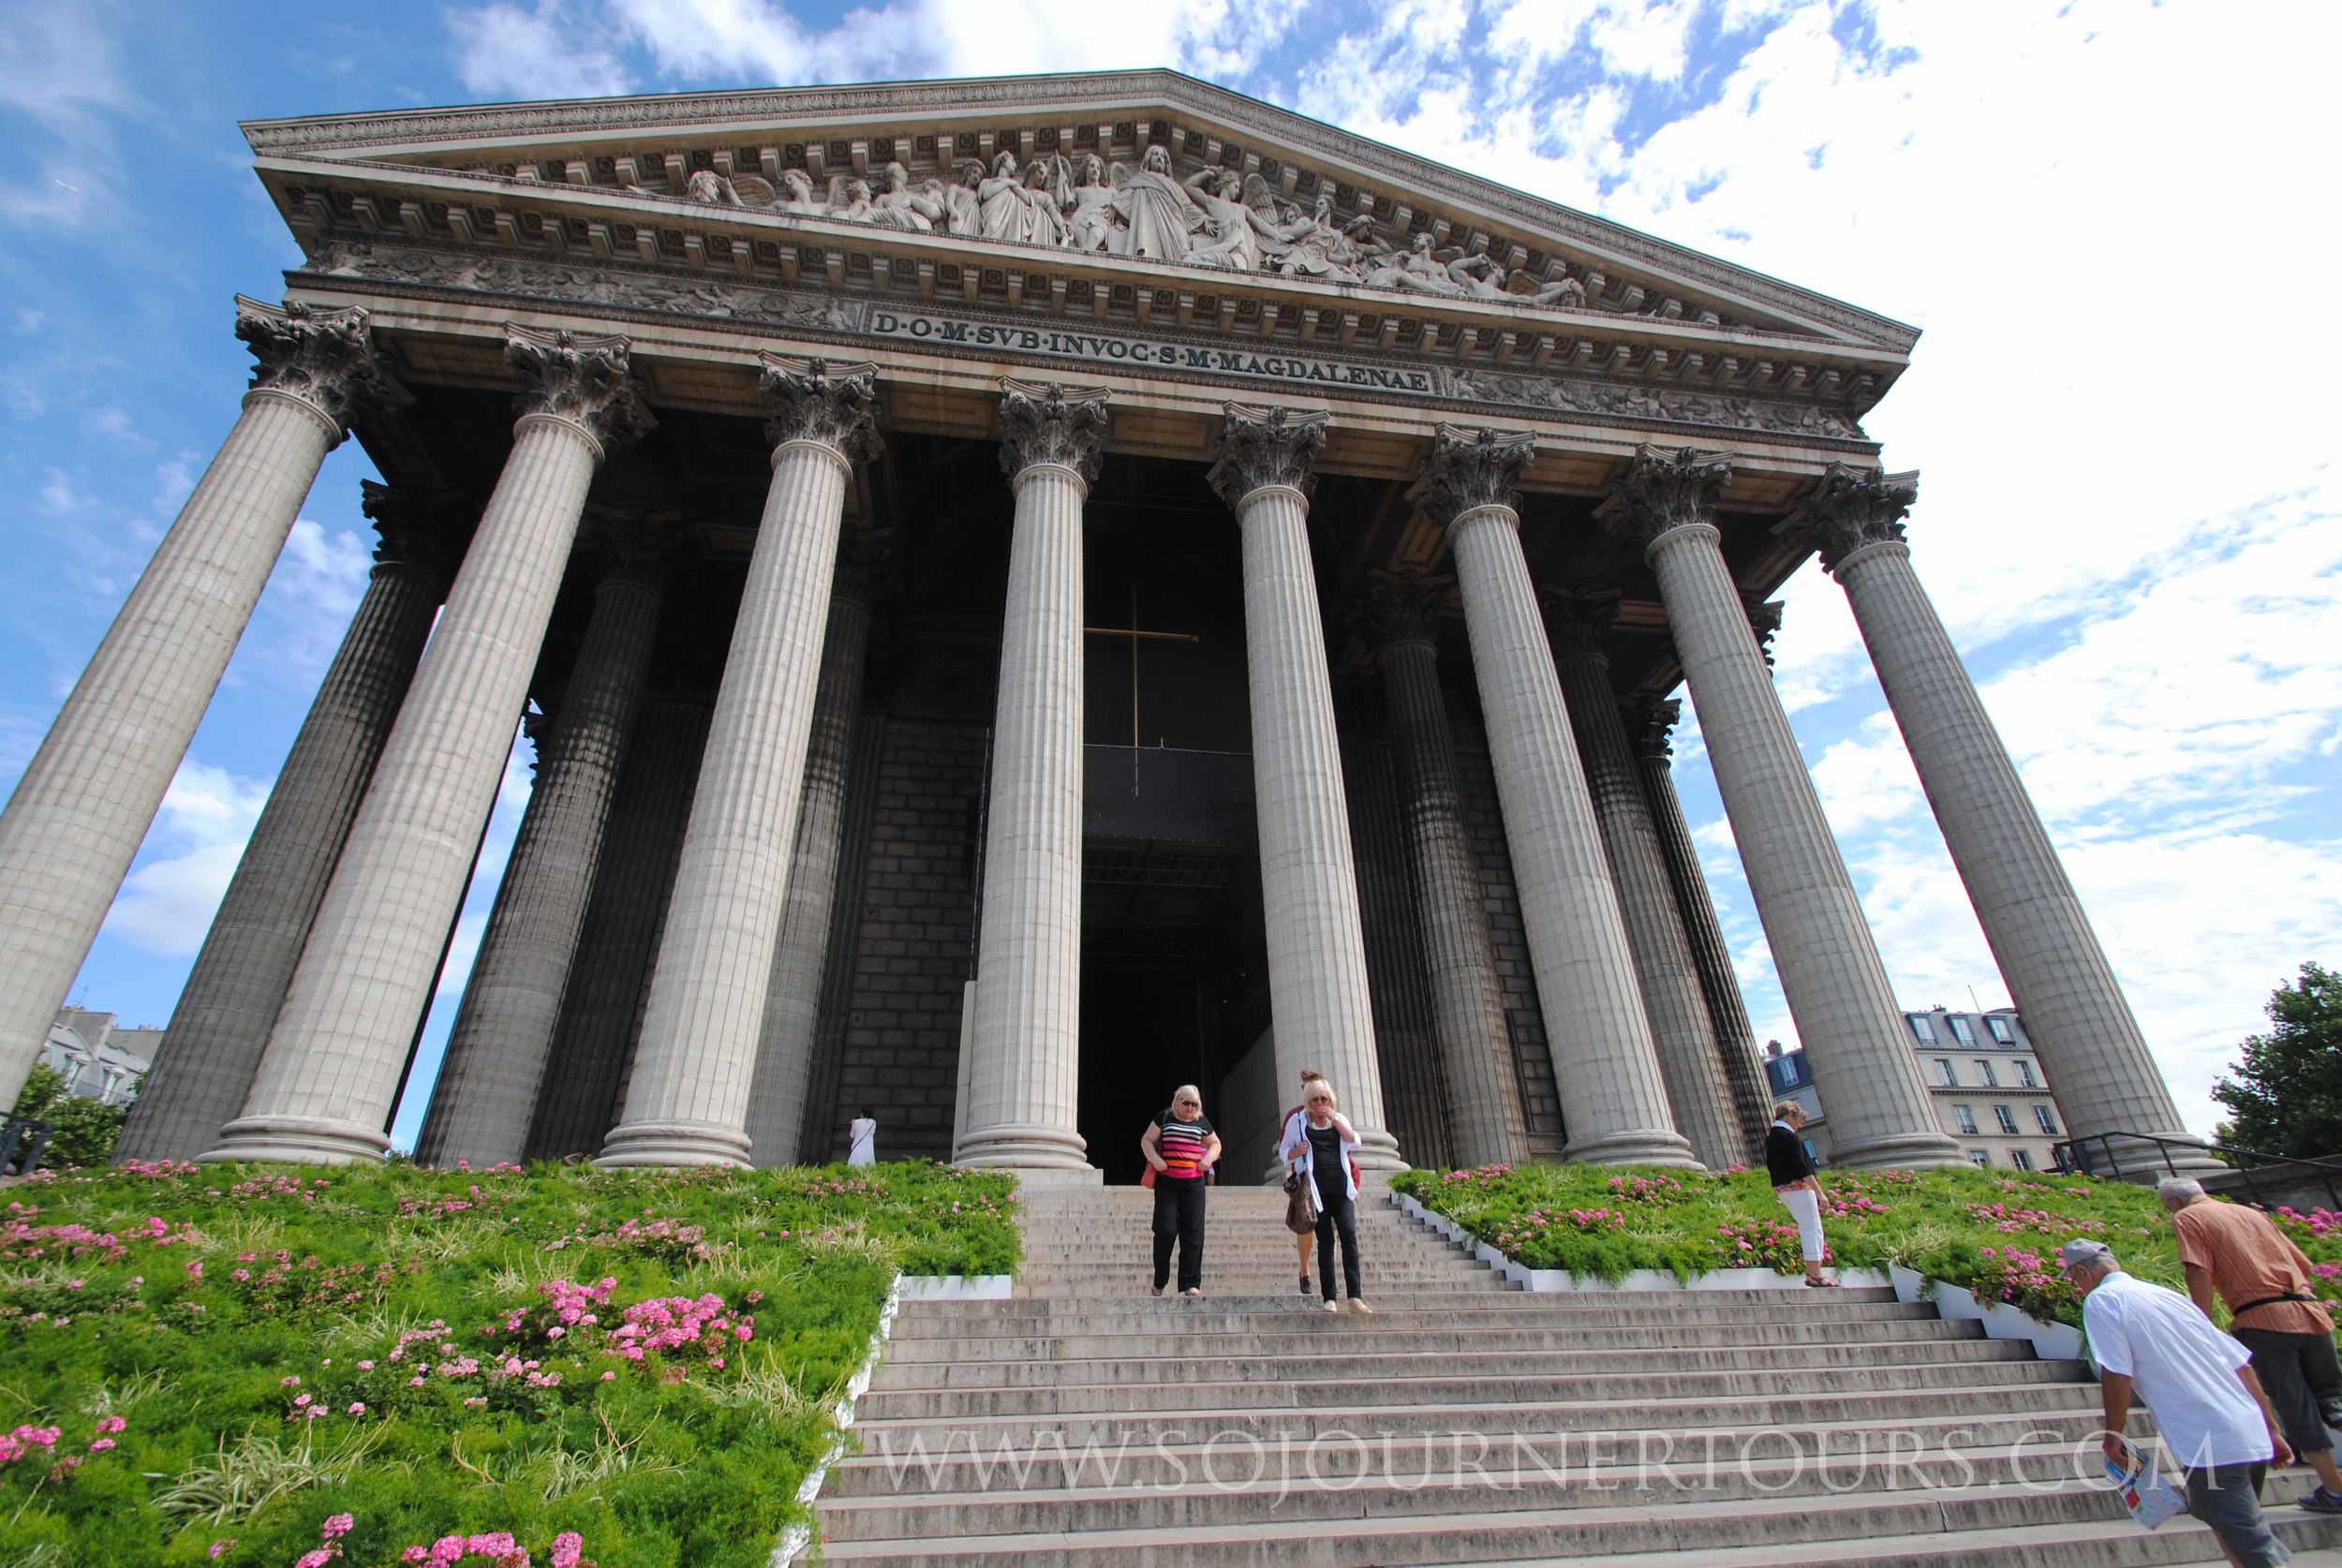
(230, 1358)
(1994, 1232)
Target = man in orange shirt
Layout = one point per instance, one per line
(2274, 1312)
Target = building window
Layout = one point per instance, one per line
(1809, 1150)
(2001, 1029)
(2049, 1123)
(2025, 1074)
(2020, 1159)
(1961, 1030)
(1922, 1031)
(1980, 1157)
(1985, 1075)
(1944, 1074)
(1965, 1117)
(2007, 1122)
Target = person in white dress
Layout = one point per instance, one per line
(862, 1139)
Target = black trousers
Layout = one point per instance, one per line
(1180, 1218)
(1336, 1216)
(2304, 1382)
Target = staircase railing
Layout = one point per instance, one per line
(2074, 1155)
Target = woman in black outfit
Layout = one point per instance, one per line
(1180, 1149)
(1317, 1144)
(1796, 1184)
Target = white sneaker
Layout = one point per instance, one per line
(1360, 1308)
(1333, 1306)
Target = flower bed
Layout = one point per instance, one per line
(1995, 1232)
(557, 1366)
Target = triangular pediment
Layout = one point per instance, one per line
(1240, 191)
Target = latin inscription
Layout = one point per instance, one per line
(1116, 349)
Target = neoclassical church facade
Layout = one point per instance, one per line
(1025, 593)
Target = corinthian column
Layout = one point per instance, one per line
(502, 1037)
(1025, 1045)
(1319, 1007)
(1485, 1118)
(331, 1073)
(793, 999)
(221, 1023)
(2074, 1009)
(84, 803)
(687, 1102)
(1680, 1027)
(1647, 719)
(1615, 1098)
(1830, 976)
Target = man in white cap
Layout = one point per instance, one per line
(2199, 1383)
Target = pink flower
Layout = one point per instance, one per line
(195, 1268)
(289, 1382)
(415, 1554)
(317, 1559)
(356, 1409)
(220, 1548)
(107, 1424)
(340, 1524)
(101, 1444)
(568, 1548)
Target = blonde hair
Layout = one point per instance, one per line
(1185, 1091)
(1317, 1086)
(1787, 1108)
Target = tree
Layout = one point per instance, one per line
(2286, 1095)
(80, 1131)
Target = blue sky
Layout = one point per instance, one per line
(2106, 217)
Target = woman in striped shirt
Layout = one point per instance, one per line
(1180, 1149)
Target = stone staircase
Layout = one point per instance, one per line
(1085, 1423)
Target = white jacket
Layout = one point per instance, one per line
(1297, 1141)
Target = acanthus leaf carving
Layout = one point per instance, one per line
(834, 405)
(1399, 608)
(583, 379)
(1663, 490)
(639, 547)
(1045, 423)
(865, 559)
(1471, 469)
(1264, 447)
(323, 355)
(1649, 722)
(1764, 622)
(1577, 622)
(418, 527)
(1852, 508)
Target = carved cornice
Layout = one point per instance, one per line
(585, 379)
(1396, 609)
(321, 355)
(1851, 507)
(1261, 447)
(865, 559)
(1649, 720)
(423, 530)
(1577, 623)
(1469, 469)
(1662, 491)
(834, 405)
(1045, 422)
(1764, 620)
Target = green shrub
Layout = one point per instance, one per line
(647, 1359)
(1993, 1232)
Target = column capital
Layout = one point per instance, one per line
(1470, 470)
(1852, 508)
(585, 380)
(812, 400)
(419, 526)
(1264, 447)
(1764, 621)
(324, 356)
(1663, 491)
(1578, 621)
(1650, 721)
(865, 557)
(639, 547)
(1401, 608)
(1064, 426)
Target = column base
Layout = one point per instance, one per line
(1904, 1151)
(1037, 1152)
(674, 1143)
(1378, 1156)
(1633, 1146)
(298, 1141)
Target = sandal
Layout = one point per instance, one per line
(1193, 1294)
(1823, 1284)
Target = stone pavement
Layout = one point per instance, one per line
(1084, 1422)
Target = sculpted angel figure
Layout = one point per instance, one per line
(1315, 247)
(707, 185)
(850, 200)
(1022, 208)
(1235, 235)
(1158, 215)
(902, 206)
(1090, 221)
(963, 210)
(1414, 269)
(797, 187)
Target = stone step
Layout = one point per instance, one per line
(1570, 1535)
(1043, 1459)
(2090, 1544)
(1689, 1313)
(1319, 1336)
(1740, 1382)
(1981, 1401)
(1380, 1365)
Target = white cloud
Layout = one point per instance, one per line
(165, 904)
(540, 52)
(59, 71)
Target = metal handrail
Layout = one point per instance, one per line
(23, 1142)
(2073, 1155)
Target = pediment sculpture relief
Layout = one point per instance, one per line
(1215, 219)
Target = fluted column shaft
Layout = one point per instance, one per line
(221, 1023)
(78, 815)
(793, 999)
(1829, 966)
(1486, 1123)
(1728, 1014)
(2106, 1079)
(577, 1104)
(502, 1037)
(1680, 1025)
(1024, 1075)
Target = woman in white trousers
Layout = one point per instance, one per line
(1797, 1184)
